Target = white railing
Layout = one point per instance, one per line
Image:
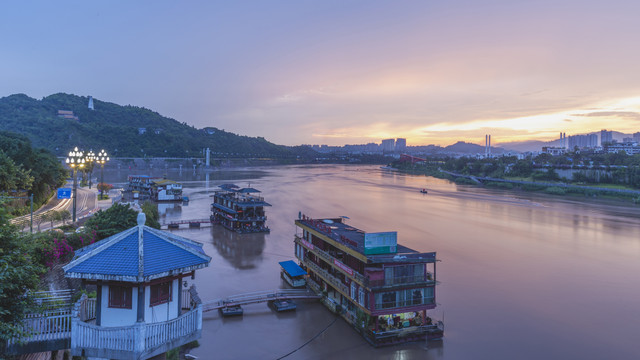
(87, 309)
(186, 299)
(44, 328)
(139, 338)
(161, 333)
(86, 335)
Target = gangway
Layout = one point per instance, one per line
(192, 223)
(258, 297)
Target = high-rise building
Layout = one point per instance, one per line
(636, 137)
(605, 136)
(401, 144)
(90, 102)
(388, 145)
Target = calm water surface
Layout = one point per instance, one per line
(523, 276)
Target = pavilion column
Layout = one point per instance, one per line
(140, 303)
(179, 295)
(98, 302)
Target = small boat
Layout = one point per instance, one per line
(282, 305)
(292, 273)
(388, 168)
(234, 310)
(424, 191)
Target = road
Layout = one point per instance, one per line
(86, 204)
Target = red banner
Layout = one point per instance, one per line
(344, 267)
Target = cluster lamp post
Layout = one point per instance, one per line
(75, 160)
(90, 158)
(101, 159)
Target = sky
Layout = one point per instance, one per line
(340, 72)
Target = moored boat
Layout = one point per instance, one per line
(293, 274)
(381, 288)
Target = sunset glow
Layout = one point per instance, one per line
(334, 73)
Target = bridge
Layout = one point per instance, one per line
(195, 223)
(258, 297)
(63, 325)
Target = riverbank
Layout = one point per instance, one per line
(551, 188)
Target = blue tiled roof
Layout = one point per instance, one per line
(162, 256)
(117, 257)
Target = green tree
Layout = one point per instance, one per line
(18, 275)
(64, 215)
(113, 220)
(150, 211)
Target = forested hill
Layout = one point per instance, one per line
(115, 128)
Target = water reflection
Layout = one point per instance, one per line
(242, 251)
(169, 209)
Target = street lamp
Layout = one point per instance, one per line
(101, 159)
(90, 158)
(75, 161)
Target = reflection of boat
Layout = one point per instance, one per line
(389, 168)
(242, 251)
(169, 208)
(424, 191)
(292, 273)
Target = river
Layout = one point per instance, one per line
(522, 275)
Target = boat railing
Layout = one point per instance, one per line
(330, 278)
(426, 300)
(330, 259)
(401, 280)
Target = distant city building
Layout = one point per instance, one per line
(142, 130)
(209, 131)
(583, 141)
(636, 137)
(627, 140)
(606, 136)
(158, 131)
(553, 150)
(90, 102)
(388, 145)
(631, 148)
(401, 144)
(67, 114)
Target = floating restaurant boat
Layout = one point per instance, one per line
(239, 209)
(292, 273)
(158, 189)
(381, 288)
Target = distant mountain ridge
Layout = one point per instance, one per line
(125, 131)
(469, 148)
